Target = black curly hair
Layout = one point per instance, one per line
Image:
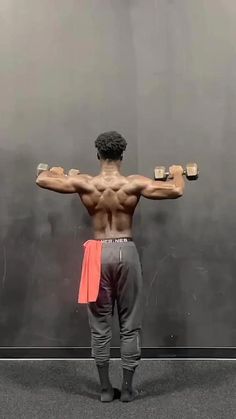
(110, 145)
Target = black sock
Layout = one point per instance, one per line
(127, 392)
(108, 393)
(103, 371)
(127, 380)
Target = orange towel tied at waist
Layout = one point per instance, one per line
(91, 272)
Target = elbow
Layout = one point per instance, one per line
(40, 182)
(178, 192)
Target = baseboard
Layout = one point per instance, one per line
(79, 353)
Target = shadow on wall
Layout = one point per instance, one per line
(41, 235)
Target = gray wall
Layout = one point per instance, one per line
(163, 74)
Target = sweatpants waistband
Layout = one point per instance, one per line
(118, 240)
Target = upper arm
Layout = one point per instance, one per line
(64, 184)
(152, 189)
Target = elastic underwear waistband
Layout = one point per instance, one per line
(118, 240)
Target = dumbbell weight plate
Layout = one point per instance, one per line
(42, 167)
(73, 172)
(192, 171)
(160, 173)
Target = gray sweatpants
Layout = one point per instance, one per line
(121, 281)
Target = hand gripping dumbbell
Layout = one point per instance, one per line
(191, 172)
(43, 167)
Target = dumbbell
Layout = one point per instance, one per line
(191, 172)
(43, 167)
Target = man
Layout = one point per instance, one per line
(111, 269)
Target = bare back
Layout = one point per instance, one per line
(110, 201)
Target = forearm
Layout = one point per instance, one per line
(47, 174)
(54, 182)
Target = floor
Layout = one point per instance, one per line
(69, 389)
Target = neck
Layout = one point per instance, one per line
(110, 167)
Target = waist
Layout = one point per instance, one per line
(116, 240)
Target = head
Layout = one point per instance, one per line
(110, 146)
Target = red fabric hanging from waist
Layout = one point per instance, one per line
(91, 272)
